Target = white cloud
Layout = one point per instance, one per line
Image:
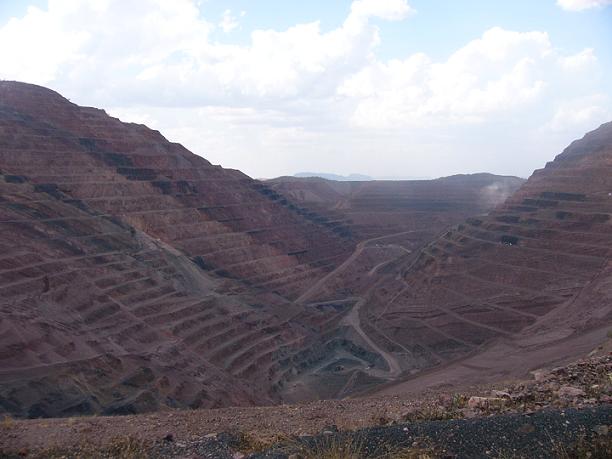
(230, 22)
(75, 40)
(137, 48)
(307, 99)
(585, 113)
(391, 10)
(491, 76)
(580, 5)
(580, 61)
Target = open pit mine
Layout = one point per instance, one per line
(137, 276)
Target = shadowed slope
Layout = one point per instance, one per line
(377, 208)
(129, 264)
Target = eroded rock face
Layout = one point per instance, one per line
(135, 275)
(372, 209)
(534, 271)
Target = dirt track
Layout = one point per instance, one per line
(353, 320)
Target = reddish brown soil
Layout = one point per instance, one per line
(528, 284)
(379, 208)
(584, 383)
(136, 276)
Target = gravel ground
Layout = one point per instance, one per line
(523, 416)
(509, 435)
(536, 435)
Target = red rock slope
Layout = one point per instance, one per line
(372, 209)
(136, 275)
(534, 272)
(230, 223)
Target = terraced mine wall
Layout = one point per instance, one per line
(372, 209)
(536, 271)
(520, 283)
(136, 276)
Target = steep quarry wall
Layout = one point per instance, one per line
(230, 223)
(535, 271)
(137, 276)
(372, 209)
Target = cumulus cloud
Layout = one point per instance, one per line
(137, 48)
(72, 41)
(580, 5)
(303, 98)
(495, 74)
(583, 112)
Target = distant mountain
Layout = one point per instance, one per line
(339, 178)
(374, 208)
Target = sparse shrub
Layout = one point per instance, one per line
(7, 422)
(127, 448)
(118, 448)
(353, 447)
(586, 447)
(380, 418)
(432, 412)
(459, 401)
(248, 443)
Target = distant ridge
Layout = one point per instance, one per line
(339, 178)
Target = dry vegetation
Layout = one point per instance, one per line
(119, 448)
(354, 447)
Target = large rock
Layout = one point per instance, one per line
(570, 392)
(485, 403)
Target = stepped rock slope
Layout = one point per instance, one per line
(370, 209)
(512, 289)
(230, 223)
(135, 275)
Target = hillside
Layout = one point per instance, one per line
(562, 412)
(131, 268)
(136, 276)
(523, 286)
(370, 209)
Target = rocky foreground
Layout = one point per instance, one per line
(560, 412)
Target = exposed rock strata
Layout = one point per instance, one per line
(533, 272)
(377, 208)
(135, 275)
